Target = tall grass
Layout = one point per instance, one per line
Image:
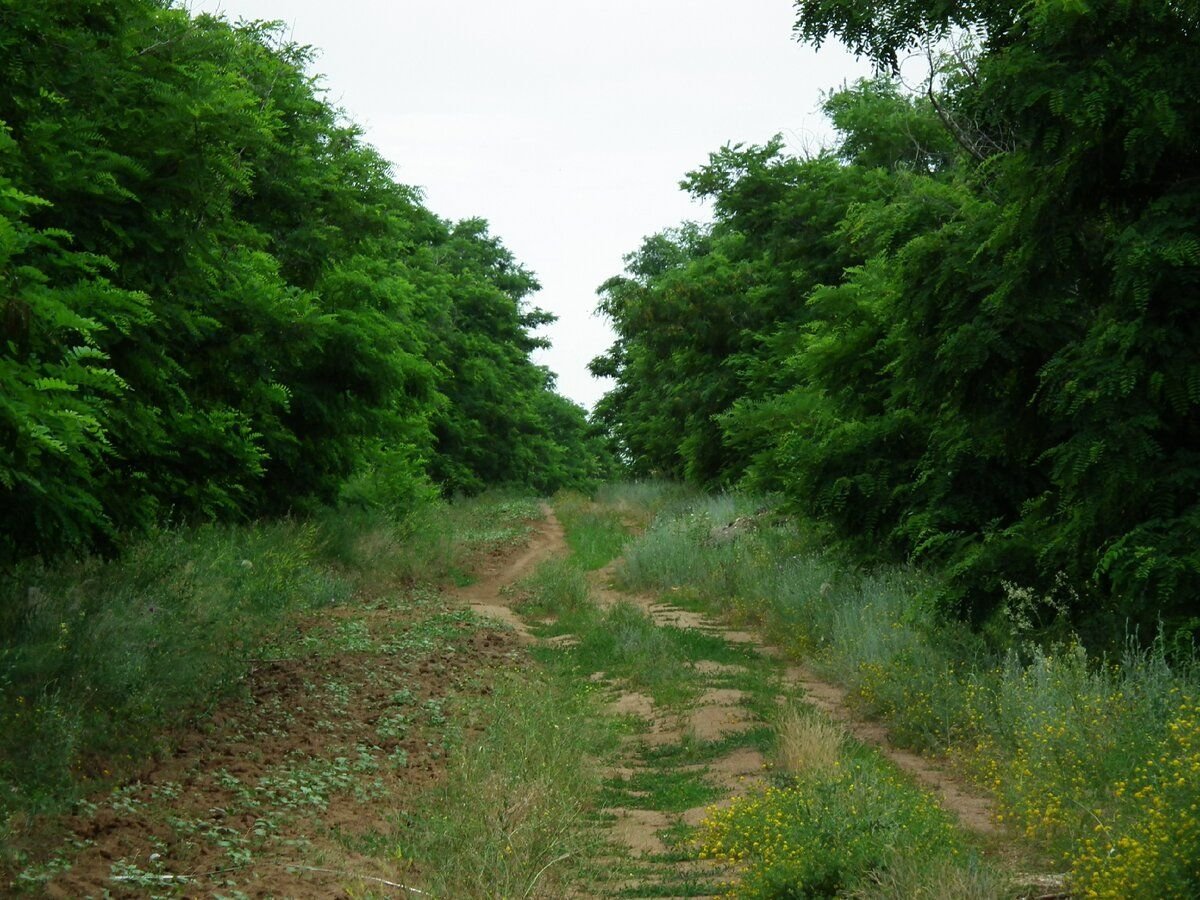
(99, 659)
(100, 656)
(511, 819)
(598, 530)
(646, 497)
(1061, 738)
(596, 534)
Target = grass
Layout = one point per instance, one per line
(621, 641)
(667, 790)
(690, 751)
(624, 643)
(511, 819)
(1087, 756)
(596, 534)
(837, 820)
(1094, 760)
(598, 529)
(100, 659)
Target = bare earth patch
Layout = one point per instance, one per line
(708, 667)
(638, 829)
(271, 796)
(631, 703)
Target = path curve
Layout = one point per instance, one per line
(487, 596)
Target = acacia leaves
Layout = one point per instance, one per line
(219, 304)
(969, 334)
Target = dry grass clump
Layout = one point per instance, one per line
(807, 744)
(937, 879)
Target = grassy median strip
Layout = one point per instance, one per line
(512, 817)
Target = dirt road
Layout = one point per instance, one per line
(304, 786)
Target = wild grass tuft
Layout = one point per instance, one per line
(556, 588)
(936, 879)
(827, 833)
(643, 499)
(806, 744)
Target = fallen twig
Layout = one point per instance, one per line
(344, 874)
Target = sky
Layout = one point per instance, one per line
(567, 124)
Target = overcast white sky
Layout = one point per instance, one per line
(567, 124)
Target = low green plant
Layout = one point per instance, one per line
(1148, 843)
(941, 878)
(664, 789)
(827, 831)
(596, 533)
(642, 499)
(100, 658)
(625, 643)
(556, 588)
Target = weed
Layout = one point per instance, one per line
(823, 834)
(642, 499)
(556, 588)
(100, 658)
(625, 643)
(1076, 749)
(691, 751)
(937, 879)
(667, 790)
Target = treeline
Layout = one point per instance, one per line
(217, 303)
(968, 335)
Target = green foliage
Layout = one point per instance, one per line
(827, 834)
(221, 305)
(965, 336)
(58, 384)
(595, 533)
(98, 657)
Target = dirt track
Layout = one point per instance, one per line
(261, 799)
(718, 711)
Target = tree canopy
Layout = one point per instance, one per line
(969, 333)
(219, 304)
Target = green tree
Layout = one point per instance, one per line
(222, 305)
